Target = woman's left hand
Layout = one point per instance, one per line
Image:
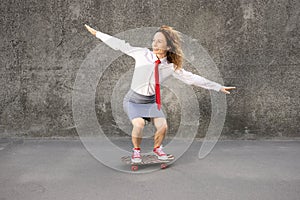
(224, 89)
(91, 30)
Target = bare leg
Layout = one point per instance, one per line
(161, 129)
(138, 126)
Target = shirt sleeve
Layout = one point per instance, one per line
(118, 44)
(193, 79)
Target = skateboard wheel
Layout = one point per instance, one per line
(134, 168)
(163, 166)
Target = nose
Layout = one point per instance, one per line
(154, 43)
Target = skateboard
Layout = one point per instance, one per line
(147, 160)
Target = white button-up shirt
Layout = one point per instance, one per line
(143, 81)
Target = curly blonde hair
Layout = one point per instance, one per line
(174, 54)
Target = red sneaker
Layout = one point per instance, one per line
(136, 155)
(160, 154)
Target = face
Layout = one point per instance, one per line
(159, 44)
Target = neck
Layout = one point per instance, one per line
(160, 56)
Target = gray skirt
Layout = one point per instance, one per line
(139, 106)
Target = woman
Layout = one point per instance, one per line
(142, 102)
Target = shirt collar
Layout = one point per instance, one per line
(162, 60)
(154, 58)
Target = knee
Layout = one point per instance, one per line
(165, 126)
(138, 124)
(162, 126)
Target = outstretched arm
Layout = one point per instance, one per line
(193, 79)
(114, 42)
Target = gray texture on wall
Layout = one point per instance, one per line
(254, 43)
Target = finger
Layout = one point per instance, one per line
(224, 91)
(230, 88)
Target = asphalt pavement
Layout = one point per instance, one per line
(234, 170)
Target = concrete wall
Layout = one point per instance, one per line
(255, 44)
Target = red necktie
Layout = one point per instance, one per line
(157, 87)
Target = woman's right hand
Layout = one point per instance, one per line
(91, 30)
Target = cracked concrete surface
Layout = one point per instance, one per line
(255, 45)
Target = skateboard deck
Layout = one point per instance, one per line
(147, 160)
